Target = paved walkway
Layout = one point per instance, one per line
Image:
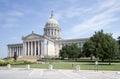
(56, 74)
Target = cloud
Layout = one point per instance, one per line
(10, 18)
(5, 2)
(107, 3)
(15, 14)
(116, 34)
(14, 38)
(72, 12)
(101, 17)
(9, 25)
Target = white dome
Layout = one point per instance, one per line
(52, 21)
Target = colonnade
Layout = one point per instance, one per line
(52, 32)
(32, 48)
(15, 49)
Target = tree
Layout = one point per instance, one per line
(118, 39)
(74, 52)
(110, 48)
(88, 49)
(119, 46)
(64, 52)
(70, 51)
(102, 45)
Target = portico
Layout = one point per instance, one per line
(32, 48)
(33, 45)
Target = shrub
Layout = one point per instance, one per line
(13, 62)
(3, 63)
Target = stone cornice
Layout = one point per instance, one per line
(70, 40)
(15, 44)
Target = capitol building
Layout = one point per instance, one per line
(46, 45)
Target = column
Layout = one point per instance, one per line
(47, 32)
(58, 32)
(35, 49)
(19, 50)
(50, 32)
(16, 50)
(31, 48)
(42, 47)
(38, 48)
(11, 51)
(8, 51)
(55, 32)
(28, 48)
(25, 48)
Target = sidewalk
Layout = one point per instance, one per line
(20, 73)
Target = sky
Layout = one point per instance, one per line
(77, 18)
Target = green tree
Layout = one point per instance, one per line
(74, 52)
(102, 45)
(63, 52)
(88, 49)
(118, 39)
(70, 51)
(119, 47)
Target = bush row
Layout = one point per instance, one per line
(13, 62)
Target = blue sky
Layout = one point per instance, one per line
(77, 18)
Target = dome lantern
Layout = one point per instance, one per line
(52, 14)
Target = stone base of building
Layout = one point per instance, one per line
(28, 58)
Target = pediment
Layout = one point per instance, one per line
(32, 36)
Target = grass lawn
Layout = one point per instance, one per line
(68, 65)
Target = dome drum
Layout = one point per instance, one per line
(51, 25)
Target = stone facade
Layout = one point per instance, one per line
(44, 45)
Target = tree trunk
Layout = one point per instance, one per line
(109, 61)
(102, 59)
(91, 58)
(75, 59)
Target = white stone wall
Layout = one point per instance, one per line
(49, 48)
